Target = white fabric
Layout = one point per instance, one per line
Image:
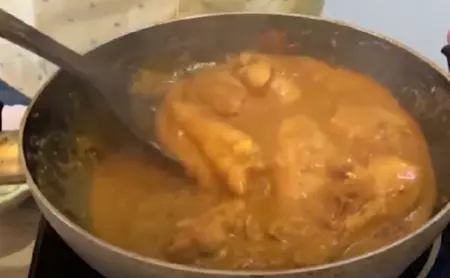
(11, 116)
(84, 24)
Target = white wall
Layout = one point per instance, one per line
(421, 24)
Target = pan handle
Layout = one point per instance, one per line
(446, 51)
(11, 170)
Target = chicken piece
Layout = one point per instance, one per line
(263, 75)
(305, 233)
(231, 152)
(219, 89)
(301, 175)
(395, 184)
(256, 72)
(347, 196)
(285, 88)
(370, 124)
(174, 139)
(206, 234)
(299, 163)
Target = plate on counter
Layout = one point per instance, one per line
(12, 195)
(12, 107)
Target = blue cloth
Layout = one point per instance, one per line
(10, 96)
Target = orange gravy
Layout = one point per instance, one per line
(136, 205)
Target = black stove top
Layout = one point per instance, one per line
(53, 258)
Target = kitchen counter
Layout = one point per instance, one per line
(18, 229)
(420, 24)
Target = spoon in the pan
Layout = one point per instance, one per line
(108, 86)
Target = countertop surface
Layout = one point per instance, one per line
(422, 25)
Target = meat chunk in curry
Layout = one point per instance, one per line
(231, 152)
(174, 138)
(206, 234)
(220, 90)
(296, 163)
(263, 75)
(255, 72)
(393, 185)
(303, 151)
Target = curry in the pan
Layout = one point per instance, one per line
(291, 163)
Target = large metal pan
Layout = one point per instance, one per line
(420, 87)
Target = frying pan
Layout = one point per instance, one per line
(60, 116)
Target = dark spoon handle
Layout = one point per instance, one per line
(98, 77)
(106, 81)
(22, 34)
(91, 73)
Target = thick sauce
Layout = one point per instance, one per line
(295, 162)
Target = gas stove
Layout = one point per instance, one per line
(53, 258)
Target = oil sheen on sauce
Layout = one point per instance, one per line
(136, 204)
